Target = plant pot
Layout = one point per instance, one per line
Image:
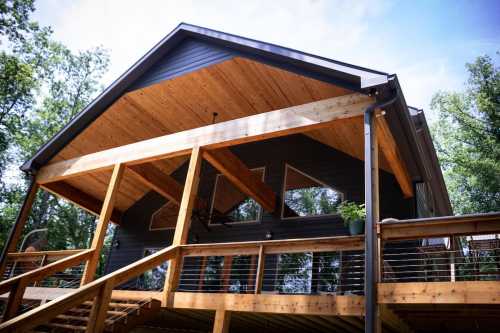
(357, 227)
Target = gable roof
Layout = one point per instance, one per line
(217, 47)
(349, 76)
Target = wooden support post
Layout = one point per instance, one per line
(222, 321)
(226, 280)
(372, 255)
(17, 228)
(183, 224)
(260, 270)
(102, 226)
(15, 300)
(97, 318)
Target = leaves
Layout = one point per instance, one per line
(467, 137)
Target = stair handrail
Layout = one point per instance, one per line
(102, 288)
(16, 286)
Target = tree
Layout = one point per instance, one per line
(467, 137)
(43, 85)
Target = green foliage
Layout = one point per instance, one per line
(467, 138)
(312, 201)
(14, 17)
(351, 212)
(43, 85)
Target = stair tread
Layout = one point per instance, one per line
(67, 326)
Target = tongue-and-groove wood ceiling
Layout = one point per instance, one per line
(234, 88)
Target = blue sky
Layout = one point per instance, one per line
(426, 43)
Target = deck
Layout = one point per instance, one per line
(453, 284)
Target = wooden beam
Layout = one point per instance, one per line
(463, 292)
(188, 198)
(445, 226)
(80, 198)
(316, 244)
(18, 227)
(259, 276)
(242, 177)
(262, 126)
(222, 321)
(102, 225)
(329, 305)
(391, 152)
(183, 223)
(158, 181)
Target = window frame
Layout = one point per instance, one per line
(311, 217)
(214, 192)
(156, 212)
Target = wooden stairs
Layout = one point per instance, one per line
(122, 316)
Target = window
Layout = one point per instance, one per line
(153, 279)
(230, 205)
(304, 195)
(165, 218)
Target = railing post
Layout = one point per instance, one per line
(42, 263)
(222, 321)
(102, 226)
(97, 318)
(17, 228)
(15, 300)
(372, 314)
(188, 201)
(260, 270)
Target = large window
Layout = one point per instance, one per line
(230, 205)
(304, 195)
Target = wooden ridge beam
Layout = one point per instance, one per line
(391, 152)
(80, 198)
(158, 181)
(242, 177)
(262, 126)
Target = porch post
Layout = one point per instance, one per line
(372, 315)
(17, 228)
(183, 223)
(102, 225)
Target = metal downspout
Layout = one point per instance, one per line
(371, 238)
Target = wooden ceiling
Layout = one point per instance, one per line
(234, 88)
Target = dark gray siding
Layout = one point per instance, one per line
(320, 161)
(188, 56)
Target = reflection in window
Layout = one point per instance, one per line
(230, 205)
(306, 196)
(153, 279)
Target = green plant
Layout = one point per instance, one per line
(351, 211)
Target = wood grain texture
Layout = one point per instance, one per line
(242, 177)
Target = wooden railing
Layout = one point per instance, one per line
(99, 289)
(16, 286)
(441, 249)
(22, 262)
(251, 267)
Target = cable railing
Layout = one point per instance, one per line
(443, 249)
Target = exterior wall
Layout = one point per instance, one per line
(319, 161)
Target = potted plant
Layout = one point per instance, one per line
(354, 216)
